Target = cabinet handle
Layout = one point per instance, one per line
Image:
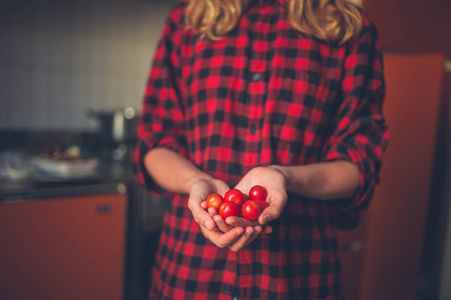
(103, 209)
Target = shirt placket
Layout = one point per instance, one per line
(257, 85)
(255, 102)
(256, 93)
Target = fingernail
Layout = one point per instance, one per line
(207, 224)
(266, 218)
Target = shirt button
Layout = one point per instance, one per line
(228, 289)
(256, 77)
(253, 130)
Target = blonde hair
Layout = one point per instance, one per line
(329, 20)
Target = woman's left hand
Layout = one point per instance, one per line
(274, 181)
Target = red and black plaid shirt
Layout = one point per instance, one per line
(262, 95)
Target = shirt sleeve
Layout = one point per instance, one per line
(359, 133)
(162, 120)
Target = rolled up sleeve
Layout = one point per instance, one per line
(162, 114)
(360, 134)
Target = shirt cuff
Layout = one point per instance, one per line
(367, 176)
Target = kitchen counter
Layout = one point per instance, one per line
(111, 177)
(23, 191)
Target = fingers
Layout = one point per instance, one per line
(277, 201)
(272, 212)
(197, 204)
(236, 238)
(212, 211)
(267, 229)
(231, 222)
(203, 204)
(249, 236)
(223, 226)
(242, 222)
(223, 240)
(237, 221)
(201, 216)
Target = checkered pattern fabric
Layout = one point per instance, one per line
(264, 94)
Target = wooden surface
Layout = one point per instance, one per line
(71, 248)
(388, 265)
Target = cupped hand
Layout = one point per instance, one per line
(199, 192)
(235, 239)
(273, 180)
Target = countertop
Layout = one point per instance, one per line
(110, 177)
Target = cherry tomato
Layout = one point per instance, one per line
(235, 196)
(250, 210)
(262, 203)
(228, 209)
(214, 200)
(257, 192)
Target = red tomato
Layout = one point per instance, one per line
(263, 204)
(228, 209)
(250, 210)
(234, 196)
(214, 200)
(257, 192)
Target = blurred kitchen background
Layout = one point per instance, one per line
(61, 58)
(72, 77)
(75, 225)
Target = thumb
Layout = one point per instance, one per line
(201, 216)
(277, 201)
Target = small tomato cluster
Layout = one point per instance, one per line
(235, 202)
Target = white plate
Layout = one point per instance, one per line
(66, 168)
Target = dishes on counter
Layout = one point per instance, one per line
(64, 163)
(55, 164)
(66, 169)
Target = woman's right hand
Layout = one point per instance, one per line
(200, 189)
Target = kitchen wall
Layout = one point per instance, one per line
(412, 24)
(59, 58)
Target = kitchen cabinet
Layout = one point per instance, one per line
(70, 247)
(383, 258)
(414, 25)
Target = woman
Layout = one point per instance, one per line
(286, 94)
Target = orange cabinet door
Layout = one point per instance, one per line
(63, 248)
(386, 263)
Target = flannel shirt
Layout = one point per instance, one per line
(263, 94)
